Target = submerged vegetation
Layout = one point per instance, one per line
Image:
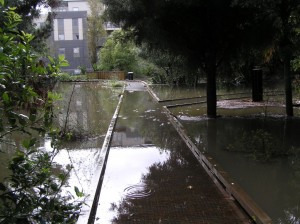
(260, 145)
(32, 191)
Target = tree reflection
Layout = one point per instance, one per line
(291, 216)
(170, 192)
(85, 111)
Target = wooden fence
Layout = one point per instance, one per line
(119, 75)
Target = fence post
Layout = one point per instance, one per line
(257, 85)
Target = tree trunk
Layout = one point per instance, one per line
(287, 49)
(288, 86)
(211, 89)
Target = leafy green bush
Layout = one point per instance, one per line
(118, 53)
(33, 192)
(68, 77)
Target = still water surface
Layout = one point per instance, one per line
(272, 180)
(148, 141)
(85, 110)
(152, 177)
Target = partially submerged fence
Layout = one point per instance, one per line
(119, 75)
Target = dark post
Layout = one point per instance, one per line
(130, 75)
(257, 85)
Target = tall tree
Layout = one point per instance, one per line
(96, 30)
(30, 10)
(118, 53)
(203, 31)
(284, 18)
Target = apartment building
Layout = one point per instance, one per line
(69, 36)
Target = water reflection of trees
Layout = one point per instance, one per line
(86, 109)
(274, 181)
(177, 187)
(143, 117)
(249, 135)
(178, 192)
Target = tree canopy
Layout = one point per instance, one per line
(96, 30)
(28, 11)
(118, 53)
(205, 32)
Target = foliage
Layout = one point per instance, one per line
(118, 53)
(70, 77)
(115, 83)
(155, 74)
(296, 64)
(170, 68)
(210, 33)
(29, 10)
(96, 31)
(282, 16)
(258, 144)
(32, 193)
(83, 70)
(204, 32)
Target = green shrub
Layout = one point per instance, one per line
(32, 193)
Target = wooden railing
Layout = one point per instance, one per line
(119, 75)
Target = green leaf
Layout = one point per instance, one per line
(6, 97)
(51, 59)
(20, 157)
(27, 143)
(2, 2)
(61, 176)
(78, 193)
(54, 187)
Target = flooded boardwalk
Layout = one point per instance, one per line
(152, 177)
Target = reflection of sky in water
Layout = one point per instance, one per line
(125, 168)
(85, 165)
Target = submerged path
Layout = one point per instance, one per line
(152, 177)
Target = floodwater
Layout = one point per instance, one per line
(271, 179)
(152, 177)
(165, 92)
(85, 111)
(255, 144)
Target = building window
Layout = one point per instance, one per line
(61, 36)
(75, 28)
(75, 9)
(60, 29)
(61, 51)
(76, 52)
